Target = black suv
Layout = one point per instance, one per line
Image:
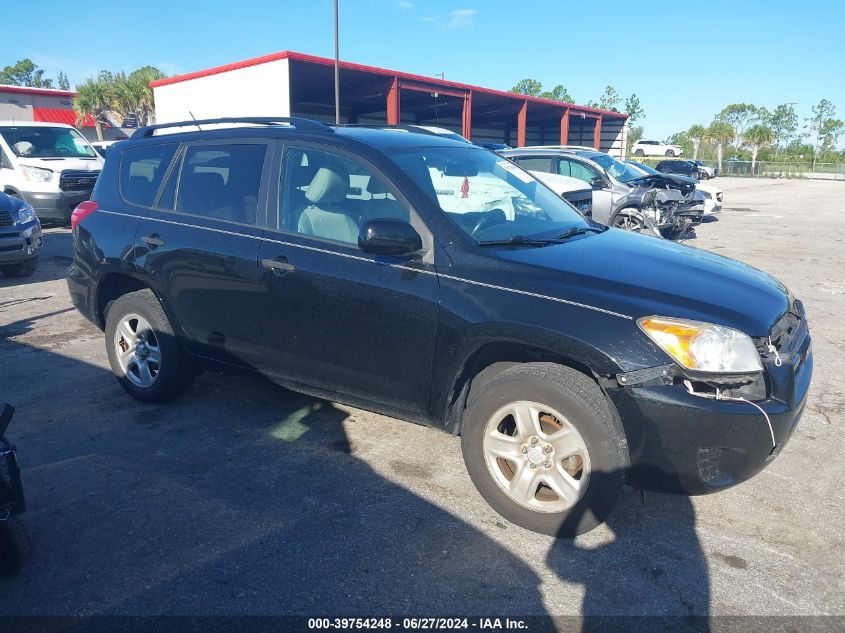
(435, 281)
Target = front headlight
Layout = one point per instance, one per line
(36, 174)
(25, 214)
(703, 347)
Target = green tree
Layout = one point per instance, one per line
(634, 109)
(610, 99)
(721, 133)
(558, 93)
(528, 87)
(739, 116)
(784, 124)
(696, 134)
(824, 127)
(635, 133)
(25, 73)
(757, 137)
(94, 98)
(63, 82)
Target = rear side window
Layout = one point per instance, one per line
(536, 164)
(222, 181)
(141, 171)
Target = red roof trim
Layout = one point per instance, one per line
(37, 91)
(255, 61)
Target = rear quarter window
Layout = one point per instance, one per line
(141, 171)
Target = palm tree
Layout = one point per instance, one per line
(696, 134)
(94, 99)
(133, 95)
(722, 134)
(758, 136)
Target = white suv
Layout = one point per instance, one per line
(656, 148)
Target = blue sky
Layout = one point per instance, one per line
(685, 60)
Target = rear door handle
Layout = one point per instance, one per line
(280, 265)
(152, 240)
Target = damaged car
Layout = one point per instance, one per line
(568, 356)
(623, 197)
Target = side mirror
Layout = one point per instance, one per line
(598, 183)
(387, 236)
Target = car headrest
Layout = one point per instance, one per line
(376, 186)
(327, 187)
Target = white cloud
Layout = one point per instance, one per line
(461, 18)
(404, 4)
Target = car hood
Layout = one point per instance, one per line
(560, 184)
(708, 188)
(63, 164)
(638, 276)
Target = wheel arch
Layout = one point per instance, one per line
(492, 358)
(114, 285)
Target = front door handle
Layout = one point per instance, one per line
(279, 266)
(152, 240)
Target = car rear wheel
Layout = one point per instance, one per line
(639, 152)
(147, 360)
(543, 449)
(629, 223)
(15, 545)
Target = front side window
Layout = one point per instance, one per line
(487, 196)
(222, 182)
(619, 170)
(42, 141)
(330, 197)
(574, 169)
(142, 170)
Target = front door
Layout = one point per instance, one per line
(602, 198)
(199, 246)
(333, 316)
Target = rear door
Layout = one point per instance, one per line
(333, 316)
(199, 246)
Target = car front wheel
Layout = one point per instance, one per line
(543, 449)
(147, 360)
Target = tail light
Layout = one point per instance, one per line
(82, 211)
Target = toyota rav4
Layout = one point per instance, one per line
(437, 282)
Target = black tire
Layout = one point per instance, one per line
(579, 399)
(26, 268)
(176, 372)
(639, 152)
(15, 546)
(670, 153)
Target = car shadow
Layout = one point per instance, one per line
(244, 498)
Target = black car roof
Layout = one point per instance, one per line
(380, 138)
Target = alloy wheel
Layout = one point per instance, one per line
(138, 350)
(536, 457)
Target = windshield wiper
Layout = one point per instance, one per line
(579, 230)
(518, 240)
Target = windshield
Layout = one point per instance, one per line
(617, 169)
(38, 141)
(645, 168)
(487, 196)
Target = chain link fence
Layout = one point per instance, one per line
(769, 169)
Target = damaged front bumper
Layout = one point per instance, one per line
(684, 441)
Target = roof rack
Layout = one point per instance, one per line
(149, 130)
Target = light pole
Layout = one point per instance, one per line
(336, 68)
